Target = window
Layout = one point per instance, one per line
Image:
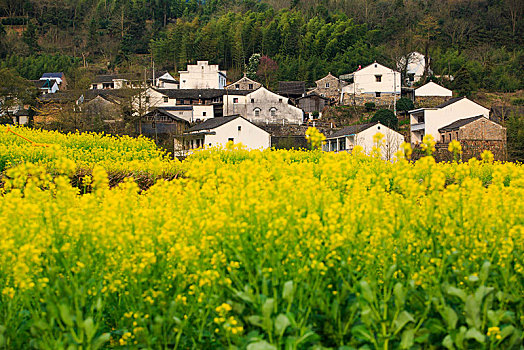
(273, 112)
(327, 85)
(457, 135)
(239, 128)
(166, 99)
(377, 94)
(342, 143)
(95, 86)
(237, 86)
(147, 99)
(279, 100)
(252, 100)
(257, 112)
(250, 86)
(235, 100)
(231, 139)
(378, 78)
(210, 144)
(204, 114)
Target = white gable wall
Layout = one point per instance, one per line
(433, 89)
(365, 81)
(435, 119)
(263, 101)
(249, 135)
(202, 76)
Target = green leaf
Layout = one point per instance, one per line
(101, 340)
(473, 333)
(261, 345)
(363, 332)
(450, 316)
(448, 342)
(484, 272)
(408, 338)
(281, 323)
(255, 320)
(456, 292)
(400, 294)
(65, 315)
(245, 297)
(391, 271)
(482, 292)
(472, 310)
(506, 331)
(403, 319)
(367, 293)
(89, 328)
(287, 293)
(267, 308)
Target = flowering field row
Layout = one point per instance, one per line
(267, 250)
(119, 156)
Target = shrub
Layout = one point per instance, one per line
(370, 106)
(404, 105)
(386, 117)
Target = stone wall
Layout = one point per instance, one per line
(482, 129)
(384, 101)
(429, 101)
(470, 149)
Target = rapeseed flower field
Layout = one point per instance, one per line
(258, 250)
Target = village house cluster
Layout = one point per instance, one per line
(200, 108)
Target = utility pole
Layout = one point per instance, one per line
(395, 93)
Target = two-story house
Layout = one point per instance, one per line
(202, 76)
(428, 121)
(262, 106)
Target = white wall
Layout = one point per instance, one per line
(364, 80)
(250, 135)
(391, 141)
(202, 76)
(433, 89)
(264, 101)
(203, 112)
(435, 119)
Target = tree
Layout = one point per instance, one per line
(30, 38)
(386, 117)
(15, 91)
(266, 70)
(404, 104)
(252, 66)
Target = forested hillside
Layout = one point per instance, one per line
(479, 42)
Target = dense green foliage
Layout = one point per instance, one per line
(386, 117)
(477, 41)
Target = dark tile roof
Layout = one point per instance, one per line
(450, 102)
(163, 111)
(168, 80)
(107, 78)
(313, 94)
(351, 130)
(291, 87)
(213, 123)
(459, 123)
(53, 75)
(74, 95)
(205, 94)
(42, 84)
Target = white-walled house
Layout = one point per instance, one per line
(262, 106)
(59, 78)
(244, 83)
(427, 121)
(416, 63)
(375, 80)
(166, 81)
(219, 131)
(202, 76)
(432, 89)
(46, 86)
(362, 135)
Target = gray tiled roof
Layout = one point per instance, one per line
(200, 93)
(213, 123)
(351, 130)
(459, 123)
(450, 101)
